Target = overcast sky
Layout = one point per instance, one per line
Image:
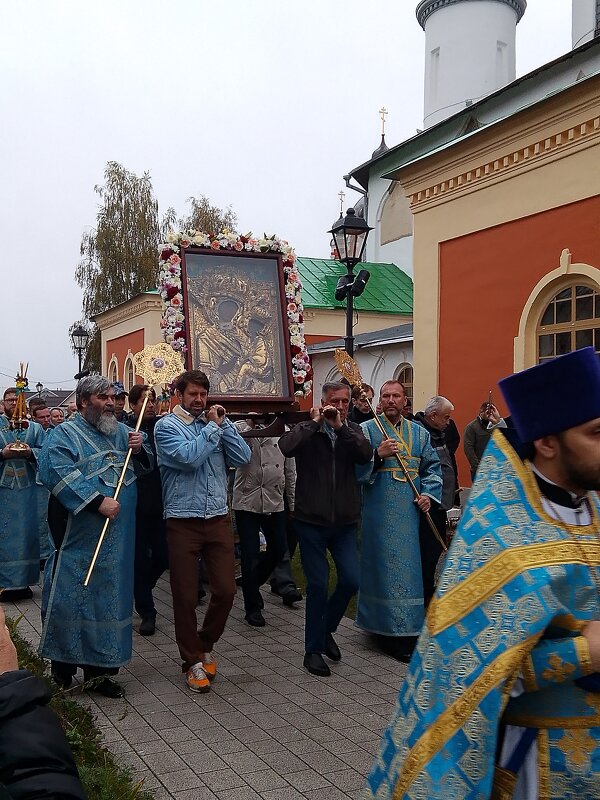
(259, 104)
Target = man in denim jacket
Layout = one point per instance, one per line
(194, 448)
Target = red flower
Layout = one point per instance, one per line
(166, 254)
(179, 335)
(300, 318)
(296, 350)
(171, 292)
(215, 245)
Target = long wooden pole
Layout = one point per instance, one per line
(116, 494)
(411, 483)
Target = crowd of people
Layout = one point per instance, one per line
(516, 609)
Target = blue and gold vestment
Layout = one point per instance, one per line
(390, 598)
(515, 594)
(19, 537)
(89, 625)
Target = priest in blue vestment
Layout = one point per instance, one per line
(19, 538)
(81, 461)
(502, 696)
(391, 599)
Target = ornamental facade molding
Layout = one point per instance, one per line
(427, 7)
(110, 318)
(557, 145)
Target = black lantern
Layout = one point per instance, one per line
(350, 235)
(80, 339)
(39, 386)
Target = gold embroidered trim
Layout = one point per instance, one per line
(582, 649)
(529, 676)
(453, 718)
(568, 622)
(501, 569)
(543, 747)
(545, 723)
(504, 784)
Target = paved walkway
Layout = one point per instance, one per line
(267, 731)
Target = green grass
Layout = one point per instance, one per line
(101, 776)
(300, 580)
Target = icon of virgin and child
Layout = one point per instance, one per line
(234, 334)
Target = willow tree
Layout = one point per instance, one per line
(119, 256)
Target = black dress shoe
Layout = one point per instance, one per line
(62, 680)
(256, 619)
(106, 687)
(315, 664)
(12, 595)
(290, 597)
(332, 651)
(148, 625)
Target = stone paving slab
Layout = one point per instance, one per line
(267, 730)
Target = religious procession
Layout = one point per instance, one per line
(309, 526)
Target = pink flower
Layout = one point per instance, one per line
(174, 259)
(238, 246)
(215, 245)
(176, 301)
(292, 307)
(186, 242)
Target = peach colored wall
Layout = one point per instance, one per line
(120, 346)
(485, 281)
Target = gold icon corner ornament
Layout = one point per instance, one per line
(157, 364)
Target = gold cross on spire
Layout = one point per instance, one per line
(342, 197)
(383, 112)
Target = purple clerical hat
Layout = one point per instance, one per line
(554, 396)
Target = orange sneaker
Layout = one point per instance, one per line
(197, 679)
(209, 664)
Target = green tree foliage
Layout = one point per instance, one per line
(205, 217)
(119, 256)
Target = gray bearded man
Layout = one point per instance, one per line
(80, 464)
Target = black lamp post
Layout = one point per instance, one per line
(350, 235)
(39, 386)
(80, 339)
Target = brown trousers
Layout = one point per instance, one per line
(188, 539)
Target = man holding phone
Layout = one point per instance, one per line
(326, 512)
(194, 447)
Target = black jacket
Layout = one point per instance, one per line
(35, 758)
(326, 489)
(149, 487)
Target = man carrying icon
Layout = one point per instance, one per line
(326, 512)
(194, 446)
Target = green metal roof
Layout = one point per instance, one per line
(389, 290)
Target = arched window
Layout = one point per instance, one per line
(570, 321)
(129, 374)
(404, 374)
(113, 374)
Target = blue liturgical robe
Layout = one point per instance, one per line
(19, 537)
(89, 625)
(517, 590)
(390, 598)
(42, 500)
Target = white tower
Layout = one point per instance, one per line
(469, 51)
(586, 21)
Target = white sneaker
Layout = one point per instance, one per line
(197, 679)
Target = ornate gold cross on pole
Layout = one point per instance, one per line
(383, 112)
(342, 196)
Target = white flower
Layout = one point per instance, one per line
(172, 238)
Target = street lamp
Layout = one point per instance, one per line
(39, 386)
(350, 236)
(80, 339)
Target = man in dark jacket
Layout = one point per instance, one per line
(327, 509)
(436, 421)
(151, 554)
(35, 758)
